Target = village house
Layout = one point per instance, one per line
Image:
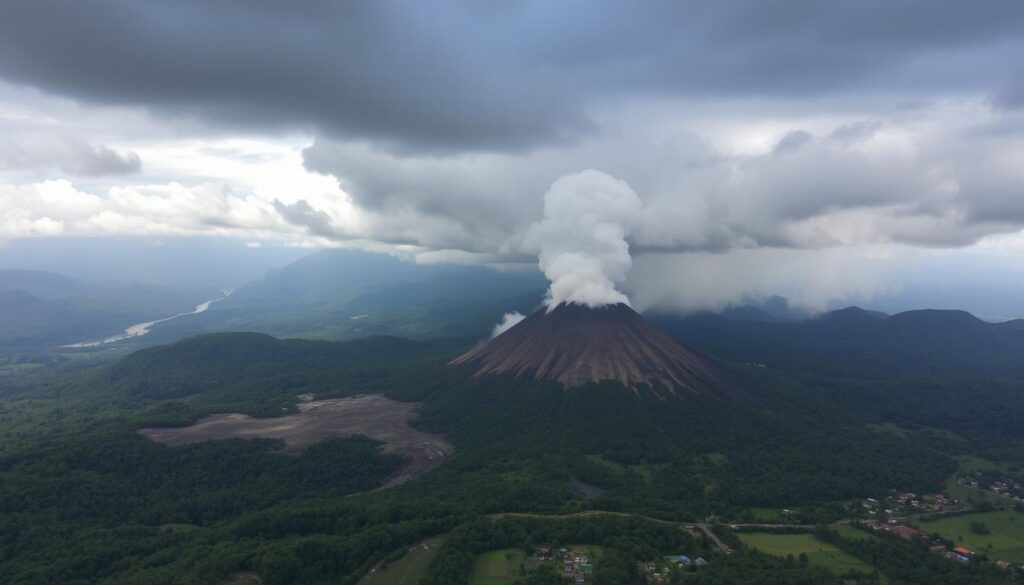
(679, 560)
(955, 556)
(906, 532)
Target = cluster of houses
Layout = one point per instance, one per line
(898, 529)
(575, 565)
(906, 503)
(1009, 489)
(657, 573)
(960, 554)
(1004, 486)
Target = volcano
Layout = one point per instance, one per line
(574, 344)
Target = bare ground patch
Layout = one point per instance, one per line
(372, 415)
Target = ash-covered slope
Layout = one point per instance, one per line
(574, 345)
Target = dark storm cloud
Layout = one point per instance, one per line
(397, 74)
(462, 76)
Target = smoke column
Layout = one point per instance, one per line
(581, 242)
(507, 322)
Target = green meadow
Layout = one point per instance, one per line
(497, 567)
(502, 567)
(818, 553)
(408, 570)
(1004, 542)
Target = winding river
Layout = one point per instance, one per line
(140, 329)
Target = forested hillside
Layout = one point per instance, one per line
(80, 485)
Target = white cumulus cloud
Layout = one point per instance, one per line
(508, 321)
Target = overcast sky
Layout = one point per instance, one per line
(822, 150)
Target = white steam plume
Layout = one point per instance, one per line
(581, 242)
(507, 322)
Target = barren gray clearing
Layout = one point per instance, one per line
(372, 415)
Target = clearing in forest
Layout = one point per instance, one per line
(408, 570)
(371, 415)
(818, 553)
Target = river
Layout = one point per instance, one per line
(140, 329)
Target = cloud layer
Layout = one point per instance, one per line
(765, 140)
(455, 76)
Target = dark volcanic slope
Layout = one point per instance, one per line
(574, 345)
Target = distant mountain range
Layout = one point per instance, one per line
(347, 294)
(855, 341)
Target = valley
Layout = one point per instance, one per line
(389, 292)
(140, 329)
(430, 460)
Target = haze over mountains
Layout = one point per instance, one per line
(342, 294)
(629, 292)
(45, 310)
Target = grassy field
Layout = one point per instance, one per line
(847, 531)
(501, 567)
(591, 549)
(407, 570)
(1005, 541)
(818, 553)
(966, 493)
(765, 514)
(969, 464)
(497, 567)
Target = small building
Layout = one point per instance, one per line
(700, 562)
(906, 532)
(678, 560)
(955, 556)
(963, 550)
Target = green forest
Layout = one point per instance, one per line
(85, 499)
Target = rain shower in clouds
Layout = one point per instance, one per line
(871, 141)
